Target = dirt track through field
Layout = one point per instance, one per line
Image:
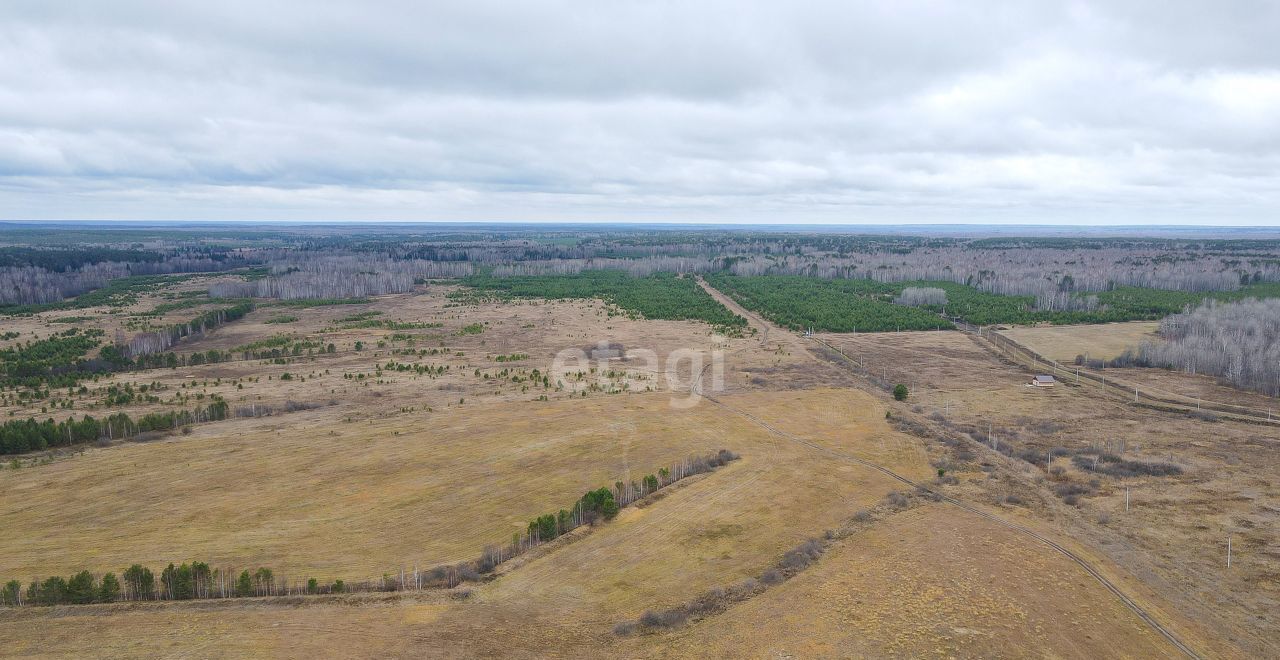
(767, 328)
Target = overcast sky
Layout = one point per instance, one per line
(1157, 112)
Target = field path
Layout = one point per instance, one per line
(764, 326)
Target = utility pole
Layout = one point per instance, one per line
(1228, 551)
(1126, 499)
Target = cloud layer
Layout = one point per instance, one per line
(861, 112)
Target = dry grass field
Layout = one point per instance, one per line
(930, 582)
(1174, 533)
(718, 529)
(1063, 343)
(308, 493)
(396, 469)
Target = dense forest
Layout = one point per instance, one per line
(65, 260)
(1238, 342)
(661, 296)
(828, 305)
(869, 306)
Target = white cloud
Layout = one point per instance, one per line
(724, 111)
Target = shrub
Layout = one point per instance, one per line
(1112, 465)
(900, 392)
(801, 556)
(1204, 415)
(665, 619)
(897, 500)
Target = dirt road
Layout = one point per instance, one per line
(766, 329)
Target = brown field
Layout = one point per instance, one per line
(1174, 534)
(397, 470)
(930, 581)
(1101, 342)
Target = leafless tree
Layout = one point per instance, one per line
(1238, 342)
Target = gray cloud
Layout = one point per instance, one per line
(732, 111)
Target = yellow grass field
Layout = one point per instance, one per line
(1101, 342)
(335, 500)
(396, 470)
(1175, 526)
(931, 581)
(867, 597)
(355, 516)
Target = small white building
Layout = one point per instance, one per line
(1043, 381)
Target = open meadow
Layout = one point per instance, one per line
(1095, 342)
(428, 455)
(640, 330)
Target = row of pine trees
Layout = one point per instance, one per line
(184, 582)
(25, 435)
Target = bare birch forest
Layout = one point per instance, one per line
(1060, 274)
(1238, 342)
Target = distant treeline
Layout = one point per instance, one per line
(298, 265)
(26, 435)
(63, 260)
(27, 289)
(198, 580)
(149, 343)
(866, 305)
